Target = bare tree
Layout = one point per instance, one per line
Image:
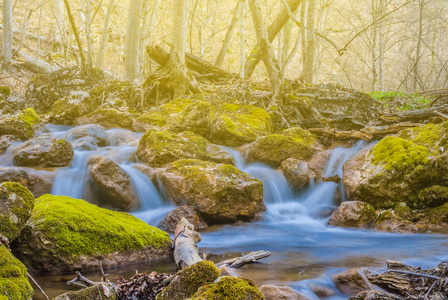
(133, 39)
(105, 35)
(7, 34)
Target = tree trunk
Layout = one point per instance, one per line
(421, 4)
(89, 8)
(242, 40)
(229, 34)
(60, 21)
(133, 39)
(308, 66)
(7, 34)
(75, 32)
(105, 35)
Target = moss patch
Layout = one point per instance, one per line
(112, 90)
(13, 277)
(110, 118)
(5, 90)
(158, 116)
(229, 288)
(433, 196)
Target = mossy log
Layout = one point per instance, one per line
(186, 251)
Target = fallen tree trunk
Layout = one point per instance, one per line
(382, 131)
(186, 251)
(414, 116)
(35, 65)
(194, 63)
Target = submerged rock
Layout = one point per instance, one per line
(113, 184)
(65, 234)
(189, 280)
(353, 214)
(14, 282)
(278, 292)
(16, 205)
(44, 151)
(221, 193)
(188, 212)
(159, 148)
(229, 288)
(23, 125)
(87, 137)
(38, 182)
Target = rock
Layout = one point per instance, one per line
(229, 288)
(44, 90)
(75, 104)
(65, 234)
(188, 212)
(433, 196)
(115, 93)
(225, 270)
(195, 117)
(334, 178)
(148, 171)
(87, 137)
(23, 125)
(108, 118)
(319, 161)
(322, 291)
(189, 280)
(120, 137)
(220, 193)
(437, 219)
(5, 142)
(278, 292)
(353, 214)
(16, 205)
(14, 283)
(274, 149)
(38, 182)
(402, 211)
(389, 222)
(159, 148)
(297, 172)
(373, 295)
(113, 184)
(351, 281)
(44, 151)
(100, 291)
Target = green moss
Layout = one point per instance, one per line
(432, 136)
(398, 153)
(5, 90)
(189, 280)
(229, 288)
(112, 90)
(195, 117)
(90, 293)
(402, 211)
(433, 196)
(300, 135)
(76, 227)
(111, 118)
(158, 116)
(13, 277)
(30, 119)
(439, 216)
(16, 214)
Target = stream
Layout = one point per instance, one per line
(306, 252)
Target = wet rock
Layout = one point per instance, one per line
(227, 271)
(66, 110)
(100, 291)
(297, 172)
(16, 205)
(221, 193)
(189, 280)
(44, 90)
(353, 214)
(195, 117)
(44, 151)
(433, 196)
(120, 137)
(402, 211)
(319, 161)
(322, 291)
(159, 148)
(23, 125)
(229, 288)
(274, 149)
(115, 94)
(389, 222)
(112, 183)
(278, 292)
(5, 142)
(65, 234)
(108, 118)
(352, 281)
(437, 219)
(87, 137)
(14, 283)
(335, 179)
(38, 182)
(188, 212)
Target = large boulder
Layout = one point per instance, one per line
(274, 149)
(399, 167)
(87, 137)
(297, 172)
(66, 110)
(16, 205)
(66, 234)
(186, 282)
(38, 182)
(115, 93)
(113, 185)
(44, 151)
(14, 283)
(159, 148)
(353, 214)
(228, 287)
(278, 292)
(389, 222)
(108, 118)
(23, 125)
(221, 193)
(433, 196)
(169, 223)
(195, 117)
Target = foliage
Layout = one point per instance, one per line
(405, 101)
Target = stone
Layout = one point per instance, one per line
(100, 291)
(195, 117)
(437, 219)
(278, 292)
(351, 281)
(229, 288)
(66, 110)
(433, 196)
(188, 212)
(353, 214)
(297, 172)
(38, 182)
(112, 183)
(220, 193)
(16, 205)
(115, 93)
(44, 151)
(5, 142)
(87, 137)
(319, 162)
(389, 222)
(23, 125)
(64, 235)
(108, 118)
(14, 283)
(159, 148)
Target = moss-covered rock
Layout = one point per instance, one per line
(38, 182)
(108, 118)
(389, 222)
(433, 196)
(66, 234)
(402, 211)
(66, 110)
(274, 149)
(221, 193)
(16, 205)
(187, 282)
(23, 125)
(195, 117)
(437, 218)
(159, 148)
(100, 291)
(116, 93)
(14, 284)
(353, 214)
(44, 151)
(229, 288)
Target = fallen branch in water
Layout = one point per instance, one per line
(238, 262)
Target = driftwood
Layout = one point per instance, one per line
(186, 251)
(194, 63)
(244, 259)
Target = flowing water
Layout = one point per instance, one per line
(306, 252)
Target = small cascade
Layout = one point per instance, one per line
(6, 160)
